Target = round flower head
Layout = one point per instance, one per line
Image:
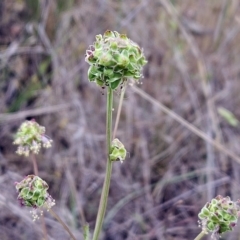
(114, 58)
(118, 151)
(219, 216)
(31, 137)
(32, 192)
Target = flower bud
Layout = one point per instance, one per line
(219, 216)
(32, 192)
(118, 151)
(31, 137)
(114, 53)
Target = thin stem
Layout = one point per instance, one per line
(106, 185)
(35, 170)
(62, 223)
(186, 124)
(86, 232)
(200, 235)
(35, 167)
(119, 111)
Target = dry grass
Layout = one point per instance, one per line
(194, 55)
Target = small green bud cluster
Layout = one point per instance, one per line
(31, 137)
(118, 151)
(114, 58)
(32, 192)
(219, 216)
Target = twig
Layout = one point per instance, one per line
(44, 6)
(186, 124)
(119, 112)
(33, 112)
(35, 167)
(220, 21)
(212, 122)
(74, 192)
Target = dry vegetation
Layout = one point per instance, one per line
(193, 54)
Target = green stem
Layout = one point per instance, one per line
(106, 185)
(200, 235)
(86, 232)
(119, 111)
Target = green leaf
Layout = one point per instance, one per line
(24, 192)
(93, 73)
(99, 82)
(211, 226)
(114, 85)
(40, 201)
(228, 116)
(106, 59)
(205, 211)
(36, 195)
(115, 77)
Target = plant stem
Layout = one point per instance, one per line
(200, 235)
(106, 185)
(62, 223)
(86, 232)
(119, 111)
(35, 167)
(35, 170)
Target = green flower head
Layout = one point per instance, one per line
(219, 216)
(118, 151)
(32, 192)
(31, 137)
(114, 58)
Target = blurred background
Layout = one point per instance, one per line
(172, 168)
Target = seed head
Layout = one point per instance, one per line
(114, 58)
(31, 137)
(32, 192)
(219, 216)
(118, 151)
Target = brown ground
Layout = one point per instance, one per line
(193, 52)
